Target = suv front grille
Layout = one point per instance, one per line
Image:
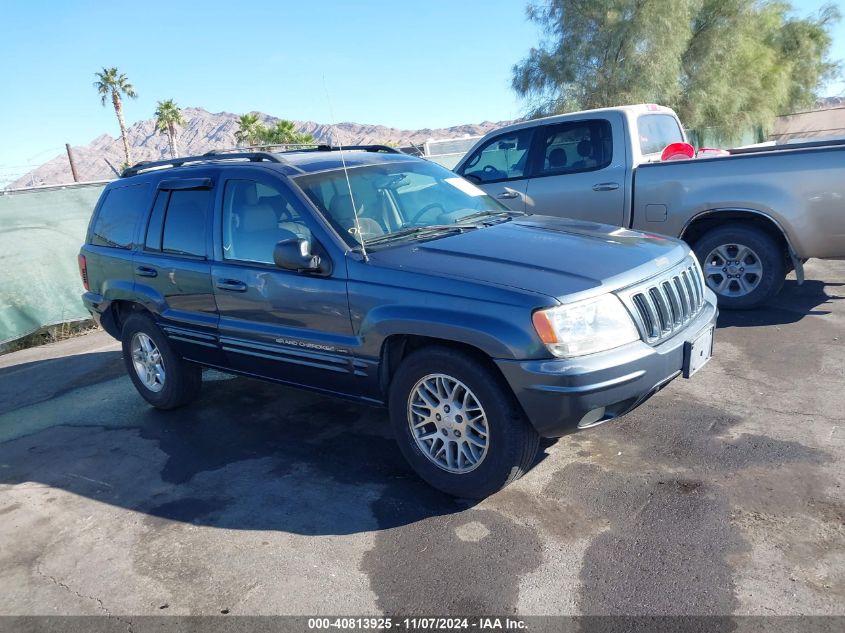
(663, 305)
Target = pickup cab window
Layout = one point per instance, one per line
(501, 158)
(575, 147)
(657, 131)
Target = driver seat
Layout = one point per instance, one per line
(342, 213)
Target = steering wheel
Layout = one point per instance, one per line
(422, 212)
(489, 172)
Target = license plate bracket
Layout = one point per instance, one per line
(697, 352)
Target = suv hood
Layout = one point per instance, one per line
(561, 258)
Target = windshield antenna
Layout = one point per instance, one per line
(359, 237)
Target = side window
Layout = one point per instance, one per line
(257, 216)
(119, 213)
(501, 158)
(153, 241)
(575, 147)
(185, 222)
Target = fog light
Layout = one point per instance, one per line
(592, 418)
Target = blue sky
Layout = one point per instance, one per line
(399, 63)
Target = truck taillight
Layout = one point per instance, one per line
(83, 271)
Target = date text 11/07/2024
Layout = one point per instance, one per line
(417, 623)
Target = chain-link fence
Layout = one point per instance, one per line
(41, 231)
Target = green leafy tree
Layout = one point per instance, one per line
(723, 64)
(168, 118)
(250, 129)
(113, 84)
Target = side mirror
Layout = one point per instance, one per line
(295, 254)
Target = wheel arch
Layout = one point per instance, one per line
(396, 347)
(119, 310)
(698, 225)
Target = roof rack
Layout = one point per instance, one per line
(214, 155)
(321, 147)
(386, 149)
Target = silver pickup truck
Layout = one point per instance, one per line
(751, 217)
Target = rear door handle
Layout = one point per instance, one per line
(146, 271)
(231, 284)
(606, 186)
(508, 195)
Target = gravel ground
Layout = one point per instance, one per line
(722, 495)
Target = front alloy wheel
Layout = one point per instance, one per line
(458, 423)
(448, 423)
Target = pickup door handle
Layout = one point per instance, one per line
(606, 186)
(146, 271)
(231, 284)
(508, 195)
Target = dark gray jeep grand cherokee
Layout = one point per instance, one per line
(384, 278)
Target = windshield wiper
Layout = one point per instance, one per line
(417, 230)
(488, 213)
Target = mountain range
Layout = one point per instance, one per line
(204, 131)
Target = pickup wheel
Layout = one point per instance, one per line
(160, 375)
(458, 424)
(743, 265)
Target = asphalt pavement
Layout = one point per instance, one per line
(721, 495)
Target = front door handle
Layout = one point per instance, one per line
(606, 186)
(231, 284)
(508, 195)
(146, 271)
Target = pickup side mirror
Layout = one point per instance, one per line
(295, 254)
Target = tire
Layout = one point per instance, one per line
(181, 381)
(745, 290)
(511, 442)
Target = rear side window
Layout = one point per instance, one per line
(118, 216)
(657, 131)
(179, 222)
(185, 222)
(577, 146)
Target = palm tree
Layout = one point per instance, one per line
(111, 83)
(250, 130)
(285, 134)
(168, 117)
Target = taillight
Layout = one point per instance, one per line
(83, 271)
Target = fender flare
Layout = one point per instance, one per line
(797, 262)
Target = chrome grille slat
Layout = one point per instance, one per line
(663, 305)
(688, 286)
(682, 296)
(674, 302)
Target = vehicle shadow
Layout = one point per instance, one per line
(247, 455)
(792, 304)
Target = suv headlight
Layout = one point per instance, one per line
(585, 327)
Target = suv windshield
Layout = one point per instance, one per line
(396, 200)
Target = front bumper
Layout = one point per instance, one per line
(560, 395)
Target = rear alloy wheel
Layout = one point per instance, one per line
(458, 424)
(160, 375)
(148, 363)
(742, 264)
(733, 270)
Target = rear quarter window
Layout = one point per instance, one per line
(118, 216)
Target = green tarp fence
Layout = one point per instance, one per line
(41, 231)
